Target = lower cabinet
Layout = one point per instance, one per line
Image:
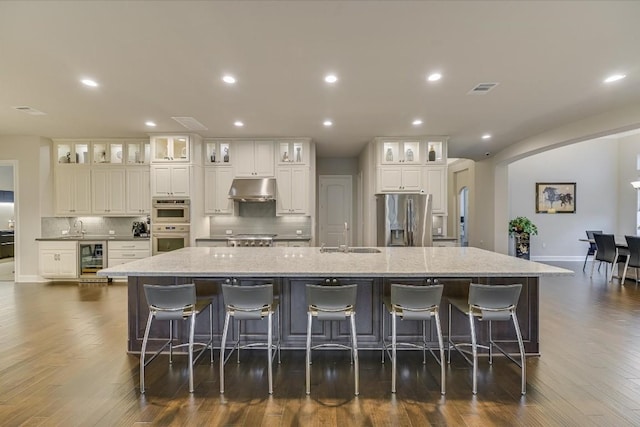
(291, 243)
(122, 252)
(58, 260)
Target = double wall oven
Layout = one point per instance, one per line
(170, 228)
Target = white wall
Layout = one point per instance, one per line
(593, 166)
(33, 196)
(491, 176)
(628, 151)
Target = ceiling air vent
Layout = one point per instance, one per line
(190, 123)
(482, 88)
(29, 110)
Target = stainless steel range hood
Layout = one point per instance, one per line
(253, 189)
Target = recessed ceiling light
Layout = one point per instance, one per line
(229, 79)
(150, 124)
(434, 77)
(89, 82)
(417, 122)
(486, 136)
(327, 123)
(331, 78)
(238, 123)
(614, 78)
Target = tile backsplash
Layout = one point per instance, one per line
(281, 225)
(53, 226)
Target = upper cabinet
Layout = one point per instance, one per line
(399, 152)
(72, 191)
(254, 159)
(217, 153)
(137, 152)
(106, 152)
(294, 152)
(170, 148)
(71, 152)
(436, 150)
(415, 151)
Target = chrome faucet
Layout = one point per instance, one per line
(345, 238)
(75, 226)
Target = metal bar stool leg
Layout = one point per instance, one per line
(490, 345)
(474, 347)
(269, 350)
(308, 355)
(191, 335)
(443, 384)
(354, 343)
(223, 342)
(393, 352)
(523, 361)
(143, 351)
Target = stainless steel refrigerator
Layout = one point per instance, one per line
(404, 219)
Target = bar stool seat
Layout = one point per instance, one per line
(489, 303)
(254, 302)
(332, 303)
(172, 303)
(418, 303)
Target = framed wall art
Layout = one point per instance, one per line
(555, 197)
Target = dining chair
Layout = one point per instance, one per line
(607, 251)
(592, 247)
(633, 259)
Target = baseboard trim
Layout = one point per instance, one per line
(30, 279)
(558, 258)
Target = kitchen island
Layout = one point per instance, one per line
(291, 268)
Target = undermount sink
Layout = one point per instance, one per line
(351, 250)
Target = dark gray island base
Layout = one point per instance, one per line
(290, 269)
(369, 312)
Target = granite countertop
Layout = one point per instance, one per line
(91, 237)
(310, 262)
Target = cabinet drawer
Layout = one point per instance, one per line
(128, 254)
(130, 245)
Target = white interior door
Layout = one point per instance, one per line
(335, 209)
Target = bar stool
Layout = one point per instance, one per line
(332, 303)
(489, 303)
(410, 302)
(172, 303)
(250, 303)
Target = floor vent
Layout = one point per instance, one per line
(190, 123)
(482, 88)
(29, 110)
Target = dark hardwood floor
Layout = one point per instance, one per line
(63, 362)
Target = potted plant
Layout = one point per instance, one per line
(521, 228)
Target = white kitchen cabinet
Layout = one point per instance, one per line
(218, 152)
(211, 243)
(138, 190)
(292, 190)
(436, 150)
(217, 182)
(73, 191)
(393, 179)
(170, 180)
(393, 151)
(58, 260)
(108, 152)
(137, 152)
(108, 191)
(435, 178)
(122, 252)
(291, 243)
(293, 152)
(170, 148)
(71, 152)
(254, 159)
